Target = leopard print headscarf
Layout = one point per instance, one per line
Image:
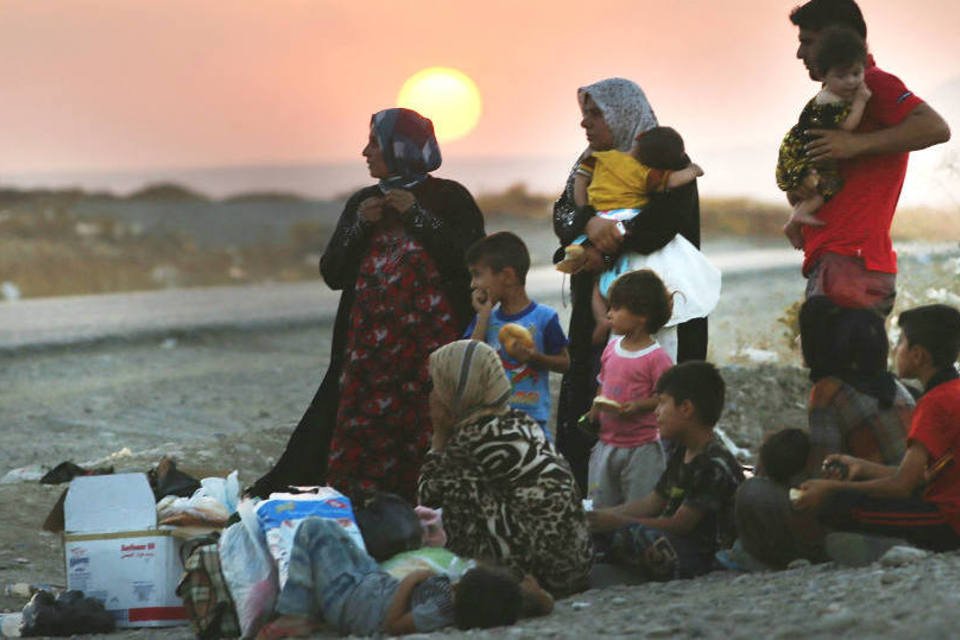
(470, 380)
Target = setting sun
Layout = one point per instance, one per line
(446, 96)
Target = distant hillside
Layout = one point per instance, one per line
(166, 192)
(58, 242)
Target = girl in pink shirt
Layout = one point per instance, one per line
(628, 459)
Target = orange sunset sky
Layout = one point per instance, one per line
(134, 84)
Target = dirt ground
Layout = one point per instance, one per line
(227, 400)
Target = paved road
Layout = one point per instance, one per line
(76, 319)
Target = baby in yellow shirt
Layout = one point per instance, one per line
(618, 185)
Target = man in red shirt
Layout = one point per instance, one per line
(851, 258)
(882, 500)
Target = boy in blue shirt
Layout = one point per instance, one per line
(498, 267)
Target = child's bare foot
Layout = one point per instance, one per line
(288, 627)
(803, 212)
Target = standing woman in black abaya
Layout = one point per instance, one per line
(397, 255)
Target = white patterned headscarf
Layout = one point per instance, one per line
(470, 380)
(625, 108)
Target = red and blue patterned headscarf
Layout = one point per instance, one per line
(409, 147)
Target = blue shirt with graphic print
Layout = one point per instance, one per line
(531, 385)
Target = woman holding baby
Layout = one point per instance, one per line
(614, 112)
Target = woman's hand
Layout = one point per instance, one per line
(371, 209)
(604, 235)
(400, 200)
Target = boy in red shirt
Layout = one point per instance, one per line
(850, 258)
(920, 499)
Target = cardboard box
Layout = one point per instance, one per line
(114, 551)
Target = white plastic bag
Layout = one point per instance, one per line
(249, 570)
(213, 503)
(195, 510)
(225, 490)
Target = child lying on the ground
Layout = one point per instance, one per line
(331, 580)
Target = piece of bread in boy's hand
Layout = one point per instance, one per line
(795, 494)
(606, 404)
(513, 336)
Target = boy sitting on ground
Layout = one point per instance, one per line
(498, 267)
(919, 500)
(675, 530)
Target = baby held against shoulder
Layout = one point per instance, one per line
(617, 185)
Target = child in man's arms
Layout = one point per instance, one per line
(841, 59)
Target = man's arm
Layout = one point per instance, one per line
(908, 477)
(859, 469)
(923, 127)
